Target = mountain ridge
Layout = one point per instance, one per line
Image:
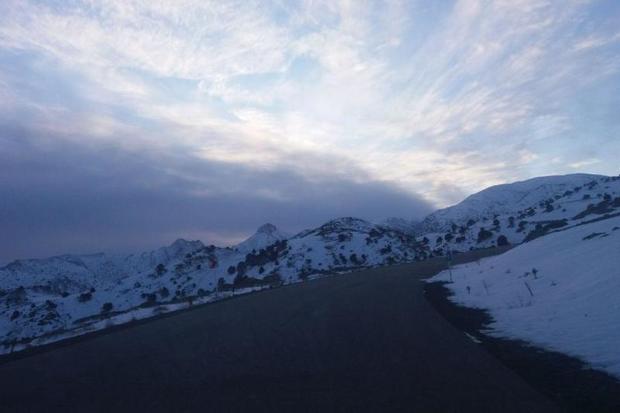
(69, 294)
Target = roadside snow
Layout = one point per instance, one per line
(125, 317)
(560, 292)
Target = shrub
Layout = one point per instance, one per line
(106, 308)
(84, 297)
(149, 299)
(542, 229)
(160, 269)
(502, 241)
(239, 280)
(232, 270)
(387, 249)
(273, 279)
(241, 267)
(221, 283)
(483, 234)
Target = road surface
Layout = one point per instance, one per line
(366, 341)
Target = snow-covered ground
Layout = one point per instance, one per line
(560, 292)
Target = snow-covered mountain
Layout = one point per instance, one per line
(506, 199)
(49, 299)
(59, 296)
(522, 211)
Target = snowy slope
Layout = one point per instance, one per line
(505, 199)
(541, 205)
(58, 296)
(404, 225)
(560, 291)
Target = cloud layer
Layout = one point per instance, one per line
(204, 119)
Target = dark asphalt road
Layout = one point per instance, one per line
(367, 341)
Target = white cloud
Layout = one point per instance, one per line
(583, 163)
(461, 100)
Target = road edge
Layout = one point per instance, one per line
(568, 381)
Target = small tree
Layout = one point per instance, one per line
(149, 299)
(483, 234)
(221, 283)
(106, 308)
(160, 269)
(502, 241)
(241, 268)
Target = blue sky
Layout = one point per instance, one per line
(287, 111)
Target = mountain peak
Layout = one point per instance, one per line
(265, 235)
(180, 247)
(346, 223)
(267, 229)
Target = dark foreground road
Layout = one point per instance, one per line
(367, 341)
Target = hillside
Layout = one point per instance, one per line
(505, 199)
(558, 292)
(48, 299)
(44, 300)
(522, 211)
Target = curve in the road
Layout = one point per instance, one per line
(365, 341)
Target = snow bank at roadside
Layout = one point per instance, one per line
(560, 292)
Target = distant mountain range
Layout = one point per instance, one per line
(50, 299)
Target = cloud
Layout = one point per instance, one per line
(427, 100)
(88, 198)
(586, 162)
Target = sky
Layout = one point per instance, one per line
(125, 124)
